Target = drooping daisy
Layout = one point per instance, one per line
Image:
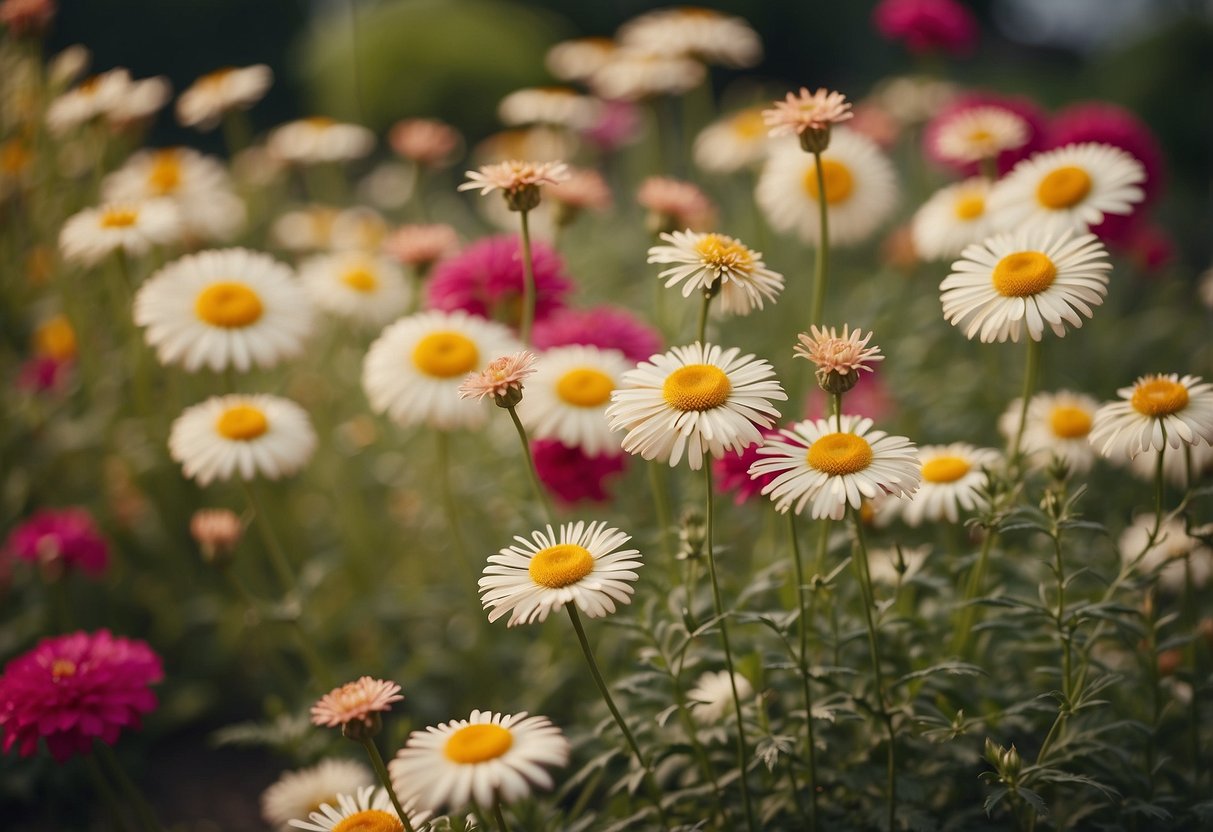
(703, 260)
(698, 399)
(711, 699)
(413, 370)
(358, 701)
(953, 218)
(1072, 187)
(212, 95)
(366, 289)
(198, 185)
(860, 188)
(674, 204)
(311, 141)
(224, 308)
(1157, 411)
(568, 397)
(633, 75)
(1028, 280)
(733, 142)
(486, 758)
(581, 564)
(559, 106)
(90, 236)
(296, 794)
(1166, 557)
(369, 809)
(245, 436)
(1057, 426)
(978, 133)
(832, 465)
(710, 35)
(578, 59)
(952, 476)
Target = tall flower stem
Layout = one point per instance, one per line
(724, 638)
(822, 265)
(804, 669)
(278, 559)
(650, 782)
(528, 279)
(372, 751)
(1029, 382)
(540, 494)
(147, 818)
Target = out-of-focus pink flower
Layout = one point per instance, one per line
(43, 373)
(1023, 107)
(869, 397)
(1100, 121)
(928, 25)
(572, 475)
(617, 125)
(71, 690)
(66, 537)
(27, 17)
(732, 472)
(605, 327)
(486, 280)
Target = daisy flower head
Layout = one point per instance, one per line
(93, 234)
(697, 399)
(518, 181)
(502, 379)
(978, 133)
(1072, 187)
(952, 479)
(711, 699)
(860, 189)
(830, 465)
(559, 106)
(367, 809)
(363, 288)
(736, 141)
(413, 371)
(953, 218)
(484, 759)
(198, 185)
(1028, 280)
(638, 74)
(839, 359)
(426, 141)
(1173, 552)
(224, 308)
(296, 794)
(232, 435)
(716, 263)
(1157, 411)
(206, 101)
(710, 35)
(420, 246)
(580, 58)
(673, 204)
(1057, 426)
(67, 538)
(568, 397)
(312, 141)
(581, 564)
(809, 116)
(360, 701)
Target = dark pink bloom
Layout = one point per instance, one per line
(573, 475)
(927, 25)
(71, 690)
(605, 327)
(61, 536)
(1023, 107)
(486, 279)
(1099, 121)
(618, 124)
(42, 373)
(732, 472)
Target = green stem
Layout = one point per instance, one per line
(528, 280)
(1029, 381)
(823, 245)
(372, 751)
(147, 818)
(499, 817)
(804, 668)
(540, 494)
(278, 559)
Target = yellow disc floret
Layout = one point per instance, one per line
(445, 355)
(1023, 273)
(840, 453)
(228, 304)
(478, 744)
(696, 387)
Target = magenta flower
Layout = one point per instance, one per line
(61, 536)
(605, 327)
(1023, 107)
(485, 279)
(927, 25)
(572, 475)
(71, 690)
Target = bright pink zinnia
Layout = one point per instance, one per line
(605, 327)
(1023, 107)
(571, 474)
(928, 25)
(61, 536)
(71, 690)
(485, 279)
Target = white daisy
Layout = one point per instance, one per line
(1057, 426)
(413, 370)
(711, 699)
(1175, 465)
(567, 397)
(369, 809)
(224, 308)
(248, 436)
(364, 288)
(632, 74)
(832, 465)
(559, 106)
(296, 794)
(695, 399)
(702, 260)
(582, 565)
(310, 141)
(484, 759)
(1166, 558)
(198, 185)
(952, 477)
(1070, 187)
(89, 236)
(212, 95)
(977, 133)
(860, 187)
(1157, 411)
(1031, 280)
(710, 35)
(954, 217)
(729, 144)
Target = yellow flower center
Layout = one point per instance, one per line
(478, 743)
(724, 253)
(55, 339)
(749, 125)
(969, 207)
(696, 387)
(119, 217)
(1069, 422)
(1159, 397)
(242, 423)
(840, 453)
(1023, 273)
(370, 820)
(945, 469)
(229, 305)
(560, 565)
(838, 178)
(62, 667)
(165, 175)
(361, 280)
(585, 387)
(445, 355)
(1064, 187)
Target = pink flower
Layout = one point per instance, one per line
(927, 25)
(502, 379)
(71, 690)
(618, 124)
(61, 536)
(1023, 107)
(572, 475)
(605, 327)
(732, 472)
(486, 280)
(355, 701)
